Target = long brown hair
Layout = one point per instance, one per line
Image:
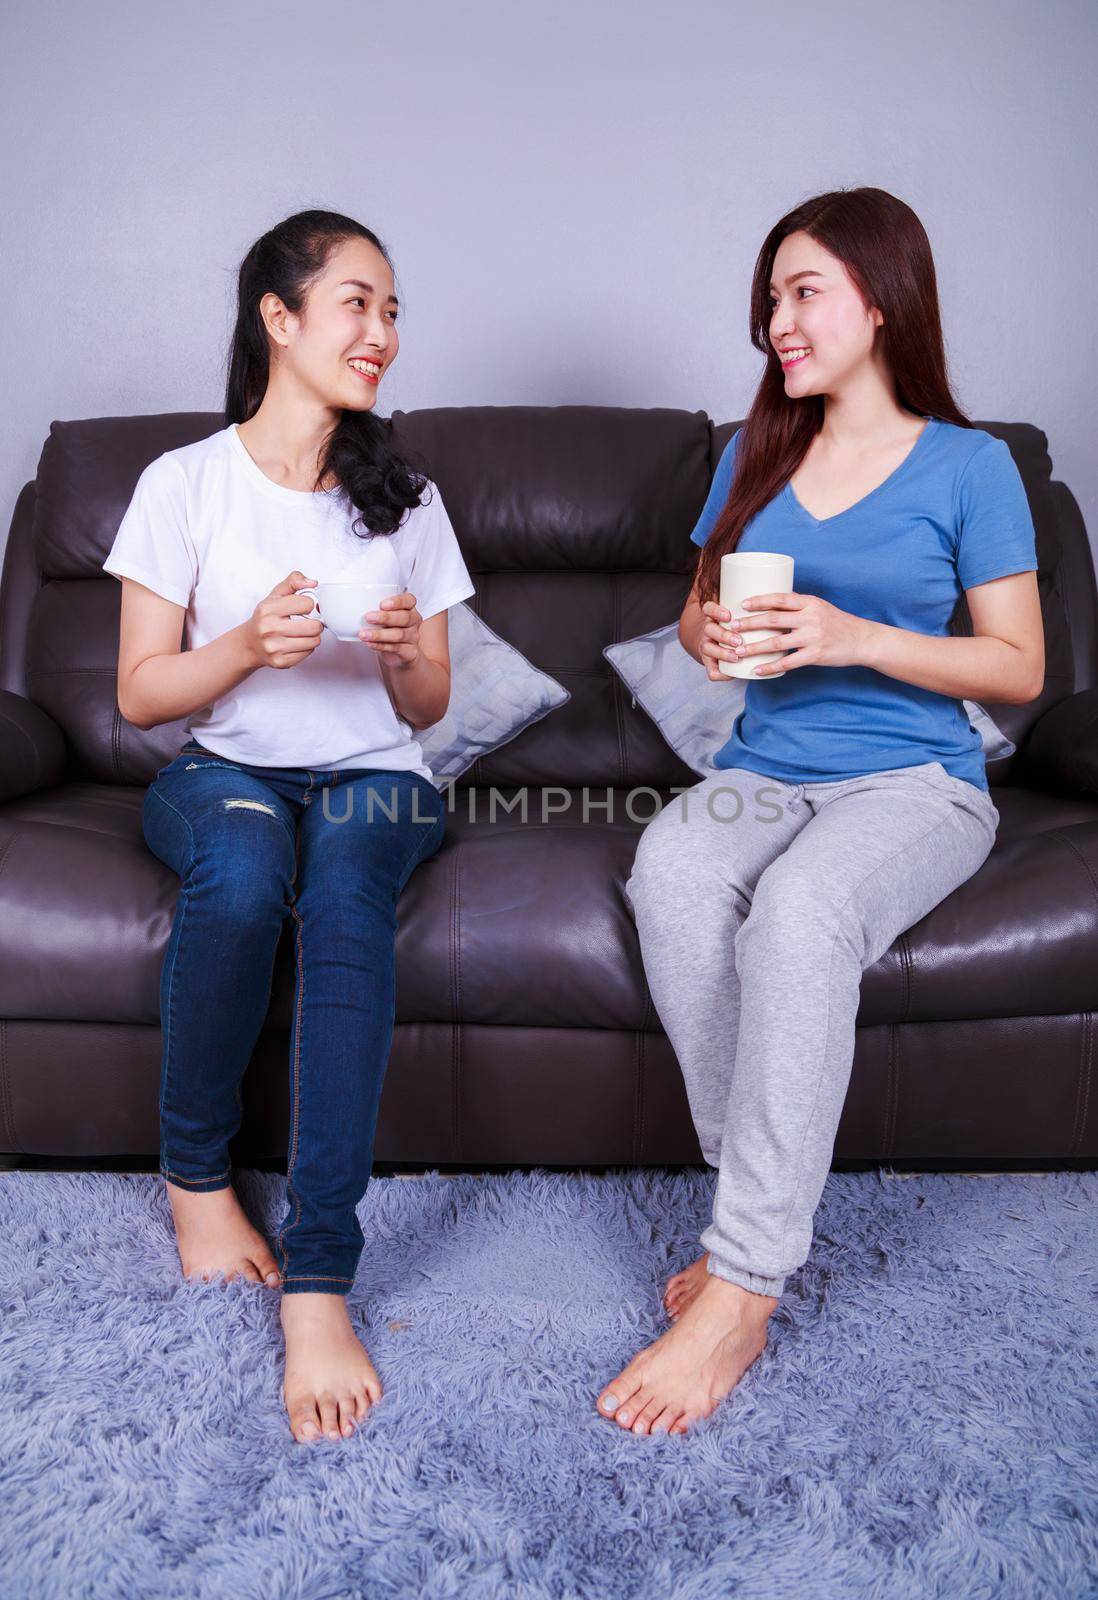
(884, 247)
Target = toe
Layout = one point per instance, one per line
(329, 1415)
(647, 1414)
(304, 1423)
(347, 1408)
(615, 1395)
(663, 1420)
(626, 1414)
(267, 1268)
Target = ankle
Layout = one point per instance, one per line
(756, 1307)
(199, 1199)
(314, 1305)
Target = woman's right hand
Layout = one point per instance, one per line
(715, 643)
(279, 632)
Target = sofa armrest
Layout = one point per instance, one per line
(1062, 748)
(32, 747)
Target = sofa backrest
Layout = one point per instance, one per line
(574, 522)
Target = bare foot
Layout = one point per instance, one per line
(685, 1286)
(684, 1374)
(330, 1381)
(215, 1236)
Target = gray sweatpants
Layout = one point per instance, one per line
(758, 905)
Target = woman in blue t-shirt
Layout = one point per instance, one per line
(852, 796)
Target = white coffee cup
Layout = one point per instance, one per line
(341, 607)
(745, 573)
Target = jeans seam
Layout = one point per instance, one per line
(213, 1178)
(314, 1277)
(417, 852)
(295, 1097)
(178, 948)
(406, 870)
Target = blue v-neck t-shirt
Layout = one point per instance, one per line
(952, 515)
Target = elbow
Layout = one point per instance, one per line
(1036, 688)
(126, 710)
(1033, 678)
(421, 727)
(128, 714)
(1034, 693)
(439, 711)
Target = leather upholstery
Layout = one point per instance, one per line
(525, 1031)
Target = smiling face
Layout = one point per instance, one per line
(815, 305)
(349, 317)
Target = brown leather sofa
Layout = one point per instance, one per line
(525, 1032)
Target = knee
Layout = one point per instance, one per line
(657, 863)
(798, 918)
(246, 867)
(679, 861)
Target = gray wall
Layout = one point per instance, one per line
(573, 194)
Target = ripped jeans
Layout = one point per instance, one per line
(253, 845)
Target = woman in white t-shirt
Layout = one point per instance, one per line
(301, 791)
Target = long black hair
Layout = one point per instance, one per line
(359, 454)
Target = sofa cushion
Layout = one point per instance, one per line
(539, 932)
(495, 693)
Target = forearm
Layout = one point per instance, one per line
(169, 687)
(419, 689)
(981, 668)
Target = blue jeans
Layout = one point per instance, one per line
(252, 845)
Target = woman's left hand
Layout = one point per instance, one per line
(397, 643)
(818, 633)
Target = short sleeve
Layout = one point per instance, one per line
(718, 492)
(435, 571)
(153, 543)
(995, 533)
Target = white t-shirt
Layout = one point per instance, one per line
(208, 529)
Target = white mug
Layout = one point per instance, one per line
(745, 573)
(342, 606)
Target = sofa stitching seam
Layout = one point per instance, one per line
(1082, 1102)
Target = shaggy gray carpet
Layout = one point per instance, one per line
(922, 1423)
